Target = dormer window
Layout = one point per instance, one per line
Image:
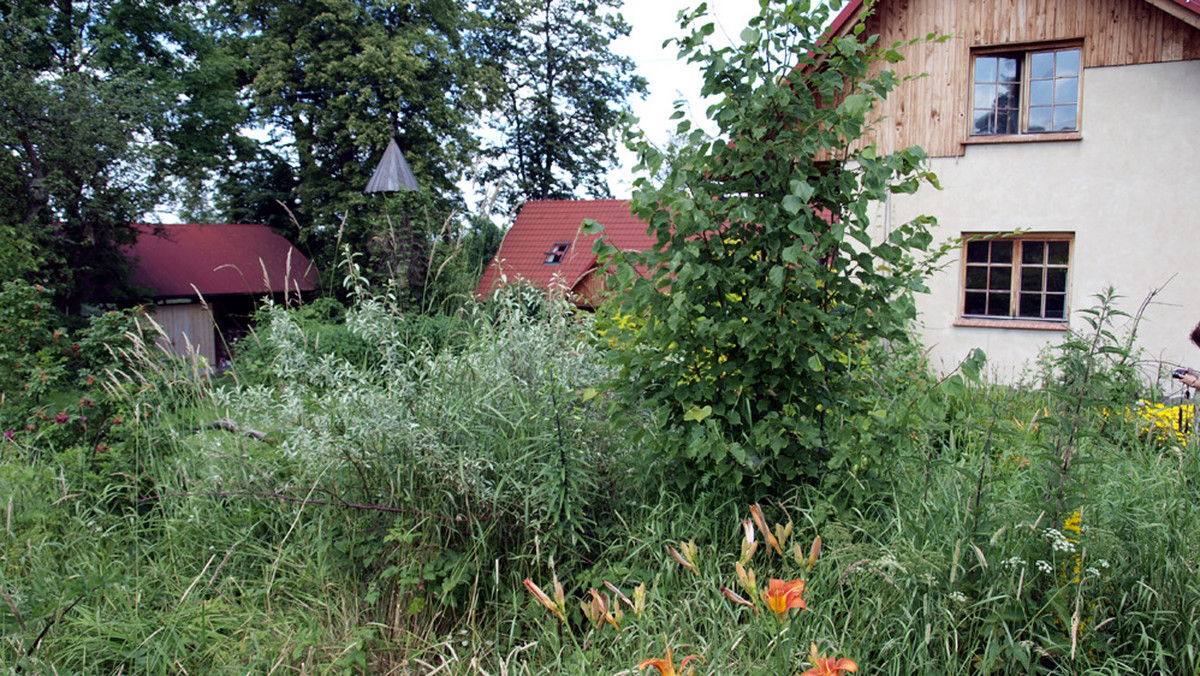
(1032, 91)
(555, 255)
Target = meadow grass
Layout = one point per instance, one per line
(397, 498)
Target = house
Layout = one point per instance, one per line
(545, 247)
(1075, 125)
(206, 280)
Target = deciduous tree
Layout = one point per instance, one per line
(101, 104)
(754, 316)
(564, 92)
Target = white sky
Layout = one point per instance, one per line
(652, 22)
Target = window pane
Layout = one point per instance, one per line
(1041, 65)
(1064, 118)
(1066, 90)
(1001, 279)
(1008, 69)
(1031, 305)
(977, 252)
(1067, 63)
(1032, 252)
(1056, 305)
(1002, 252)
(1059, 252)
(1000, 304)
(975, 303)
(976, 277)
(1008, 95)
(985, 69)
(1031, 279)
(1039, 118)
(1056, 279)
(985, 96)
(1006, 121)
(985, 122)
(1041, 92)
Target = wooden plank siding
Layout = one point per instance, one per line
(932, 111)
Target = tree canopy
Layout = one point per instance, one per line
(563, 93)
(100, 104)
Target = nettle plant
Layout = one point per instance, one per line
(755, 316)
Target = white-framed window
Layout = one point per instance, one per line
(1023, 277)
(1025, 91)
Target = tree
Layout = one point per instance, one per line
(337, 78)
(768, 290)
(564, 93)
(101, 104)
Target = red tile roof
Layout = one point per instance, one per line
(541, 225)
(217, 259)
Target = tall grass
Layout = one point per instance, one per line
(367, 497)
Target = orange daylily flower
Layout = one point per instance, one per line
(782, 596)
(827, 666)
(666, 665)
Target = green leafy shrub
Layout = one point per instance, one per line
(767, 288)
(35, 349)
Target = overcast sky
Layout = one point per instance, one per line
(652, 22)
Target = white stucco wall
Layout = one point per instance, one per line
(1128, 190)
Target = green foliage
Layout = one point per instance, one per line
(768, 291)
(390, 509)
(34, 349)
(563, 94)
(341, 77)
(103, 103)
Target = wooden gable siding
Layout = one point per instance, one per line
(932, 111)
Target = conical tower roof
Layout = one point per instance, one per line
(393, 173)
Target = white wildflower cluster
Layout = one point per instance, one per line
(1045, 566)
(957, 596)
(889, 562)
(1091, 572)
(1058, 541)
(1013, 562)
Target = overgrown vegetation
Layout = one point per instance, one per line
(464, 490)
(768, 291)
(372, 503)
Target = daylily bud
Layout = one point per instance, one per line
(733, 596)
(782, 533)
(558, 608)
(757, 513)
(682, 561)
(747, 580)
(814, 552)
(689, 551)
(748, 549)
(639, 599)
(617, 593)
(560, 597)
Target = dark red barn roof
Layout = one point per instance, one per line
(543, 225)
(217, 260)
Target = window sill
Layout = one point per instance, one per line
(990, 139)
(1020, 324)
